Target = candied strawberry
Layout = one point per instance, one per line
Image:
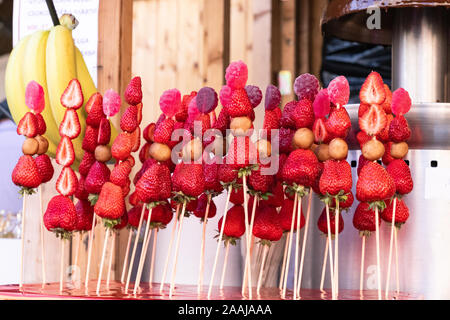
(28, 125)
(45, 167)
(97, 177)
(260, 182)
(85, 216)
(129, 120)
(237, 196)
(372, 91)
(210, 172)
(374, 184)
(65, 155)
(188, 178)
(387, 157)
(227, 173)
(94, 108)
(200, 210)
(373, 121)
(122, 146)
(104, 132)
(90, 139)
(322, 223)
(267, 225)
(399, 130)
(133, 93)
(223, 121)
(155, 184)
(239, 104)
(110, 204)
(401, 212)
(41, 126)
(67, 183)
(86, 163)
(336, 177)
(234, 223)
(26, 173)
(301, 168)
(271, 122)
(303, 114)
(161, 214)
(163, 132)
(134, 216)
(400, 172)
(364, 218)
(286, 213)
(338, 123)
(60, 214)
(70, 126)
(120, 174)
(72, 97)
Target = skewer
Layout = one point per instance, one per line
(261, 270)
(77, 252)
(305, 237)
(202, 250)
(41, 205)
(61, 271)
(286, 272)
(105, 245)
(152, 265)
(125, 262)
(169, 250)
(388, 278)
(22, 241)
(361, 277)
(336, 249)
(220, 240)
(378, 253)
(248, 234)
(225, 262)
(324, 266)
(91, 242)
(147, 236)
(284, 260)
(330, 251)
(396, 262)
(248, 259)
(177, 248)
(113, 244)
(297, 246)
(133, 253)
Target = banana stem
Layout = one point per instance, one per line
(52, 11)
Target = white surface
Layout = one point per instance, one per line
(9, 267)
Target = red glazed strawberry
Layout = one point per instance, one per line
(372, 91)
(148, 132)
(90, 139)
(223, 121)
(383, 136)
(161, 215)
(60, 215)
(239, 105)
(65, 155)
(188, 178)
(303, 114)
(387, 157)
(26, 173)
(364, 219)
(281, 161)
(373, 121)
(28, 125)
(301, 168)
(400, 172)
(399, 129)
(227, 173)
(123, 222)
(261, 182)
(202, 203)
(336, 177)
(374, 184)
(163, 131)
(144, 154)
(81, 192)
(338, 123)
(45, 167)
(70, 126)
(134, 200)
(286, 136)
(122, 146)
(210, 172)
(344, 204)
(85, 216)
(361, 163)
(97, 177)
(110, 204)
(136, 140)
(323, 224)
(67, 182)
(242, 152)
(401, 212)
(94, 108)
(387, 102)
(41, 126)
(129, 120)
(237, 196)
(234, 223)
(316, 185)
(363, 108)
(276, 199)
(287, 119)
(134, 215)
(362, 138)
(271, 122)
(286, 216)
(120, 174)
(126, 187)
(86, 163)
(321, 134)
(72, 97)
(267, 225)
(182, 115)
(155, 184)
(104, 132)
(133, 93)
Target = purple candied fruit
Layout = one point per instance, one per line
(339, 91)
(170, 102)
(306, 86)
(206, 100)
(254, 95)
(273, 97)
(322, 104)
(237, 75)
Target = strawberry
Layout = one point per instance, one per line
(336, 177)
(287, 120)
(239, 104)
(134, 215)
(90, 139)
(260, 182)
(401, 212)
(60, 215)
(65, 155)
(362, 138)
(210, 172)
(338, 123)
(267, 225)
(400, 172)
(86, 163)
(344, 204)
(161, 214)
(188, 178)
(399, 130)
(182, 115)
(85, 215)
(123, 222)
(136, 140)
(387, 157)
(139, 107)
(126, 188)
(70, 126)
(281, 161)
(373, 121)
(303, 114)
(97, 177)
(234, 223)
(163, 131)
(72, 97)
(361, 163)
(316, 185)
(383, 136)
(276, 198)
(155, 184)
(372, 91)
(286, 216)
(364, 218)
(104, 132)
(28, 125)
(242, 152)
(144, 153)
(81, 192)
(237, 196)
(286, 136)
(223, 121)
(202, 203)
(301, 167)
(363, 108)
(41, 126)
(120, 174)
(26, 173)
(202, 121)
(374, 184)
(323, 224)
(67, 182)
(148, 132)
(271, 122)
(133, 93)
(94, 108)
(129, 120)
(321, 134)
(122, 146)
(110, 204)
(227, 173)
(45, 167)
(134, 200)
(387, 102)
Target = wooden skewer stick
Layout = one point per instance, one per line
(133, 253)
(230, 188)
(261, 270)
(41, 207)
(225, 262)
(152, 264)
(286, 272)
(330, 251)
(61, 271)
(297, 247)
(111, 255)
(361, 277)
(377, 231)
(77, 253)
(248, 260)
(324, 266)
(144, 248)
(22, 242)
(248, 234)
(391, 243)
(305, 238)
(169, 250)
(202, 249)
(284, 261)
(127, 252)
(102, 261)
(177, 248)
(91, 242)
(336, 249)
(396, 261)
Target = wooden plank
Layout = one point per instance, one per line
(288, 42)
(316, 37)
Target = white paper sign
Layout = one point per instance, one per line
(33, 15)
(437, 183)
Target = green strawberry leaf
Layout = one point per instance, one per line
(93, 198)
(111, 223)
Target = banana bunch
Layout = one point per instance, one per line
(50, 58)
